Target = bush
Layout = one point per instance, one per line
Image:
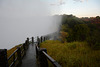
(71, 45)
(74, 54)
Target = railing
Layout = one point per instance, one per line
(42, 56)
(15, 59)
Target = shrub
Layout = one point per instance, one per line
(74, 54)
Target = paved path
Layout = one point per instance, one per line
(29, 59)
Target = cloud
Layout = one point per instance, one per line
(58, 3)
(61, 2)
(80, 0)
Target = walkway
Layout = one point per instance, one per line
(29, 59)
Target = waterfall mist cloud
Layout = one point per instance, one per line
(20, 19)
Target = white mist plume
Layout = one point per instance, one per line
(20, 19)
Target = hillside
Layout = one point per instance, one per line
(75, 54)
(79, 42)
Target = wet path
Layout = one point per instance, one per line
(29, 59)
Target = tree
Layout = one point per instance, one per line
(94, 36)
(81, 32)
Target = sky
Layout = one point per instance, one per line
(79, 8)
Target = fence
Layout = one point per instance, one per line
(42, 56)
(15, 59)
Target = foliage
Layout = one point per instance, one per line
(82, 29)
(70, 20)
(63, 37)
(94, 38)
(74, 54)
(81, 32)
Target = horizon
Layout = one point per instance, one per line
(79, 8)
(77, 16)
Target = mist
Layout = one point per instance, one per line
(20, 19)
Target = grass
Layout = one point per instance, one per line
(74, 54)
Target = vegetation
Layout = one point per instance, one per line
(74, 54)
(80, 42)
(81, 29)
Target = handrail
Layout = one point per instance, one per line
(51, 60)
(16, 59)
(41, 54)
(21, 46)
(21, 55)
(12, 54)
(13, 62)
